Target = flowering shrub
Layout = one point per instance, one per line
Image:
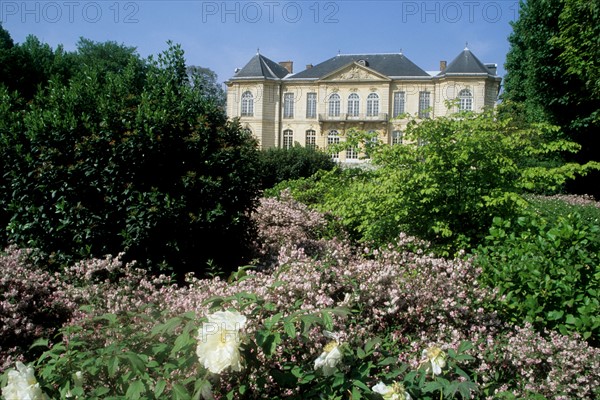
(33, 304)
(285, 223)
(417, 324)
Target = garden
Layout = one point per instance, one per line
(152, 251)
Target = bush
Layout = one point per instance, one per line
(447, 182)
(296, 162)
(140, 163)
(33, 304)
(547, 272)
(382, 307)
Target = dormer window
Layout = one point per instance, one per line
(364, 63)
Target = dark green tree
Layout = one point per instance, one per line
(114, 161)
(206, 81)
(551, 67)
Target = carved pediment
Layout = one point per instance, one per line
(355, 72)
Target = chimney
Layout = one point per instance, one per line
(442, 66)
(309, 66)
(492, 68)
(289, 65)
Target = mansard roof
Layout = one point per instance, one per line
(466, 64)
(260, 66)
(392, 65)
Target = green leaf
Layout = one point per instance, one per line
(289, 328)
(159, 388)
(388, 361)
(135, 390)
(180, 392)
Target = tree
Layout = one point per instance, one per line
(448, 182)
(118, 161)
(6, 42)
(579, 43)
(206, 81)
(552, 70)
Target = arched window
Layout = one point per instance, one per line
(247, 104)
(288, 139)
(353, 105)
(311, 139)
(333, 137)
(372, 105)
(465, 100)
(334, 105)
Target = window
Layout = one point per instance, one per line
(398, 104)
(371, 143)
(333, 137)
(311, 105)
(372, 105)
(247, 104)
(288, 105)
(311, 139)
(465, 100)
(353, 105)
(424, 104)
(288, 139)
(334, 105)
(352, 153)
(397, 137)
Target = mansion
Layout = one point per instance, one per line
(370, 92)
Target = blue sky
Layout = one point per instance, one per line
(223, 35)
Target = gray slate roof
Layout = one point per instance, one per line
(260, 66)
(391, 65)
(386, 64)
(465, 63)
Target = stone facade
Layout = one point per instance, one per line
(372, 92)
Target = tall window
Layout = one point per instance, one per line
(247, 104)
(288, 139)
(288, 105)
(311, 105)
(353, 105)
(334, 105)
(371, 143)
(397, 137)
(465, 100)
(352, 153)
(398, 104)
(311, 139)
(372, 105)
(424, 104)
(333, 137)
